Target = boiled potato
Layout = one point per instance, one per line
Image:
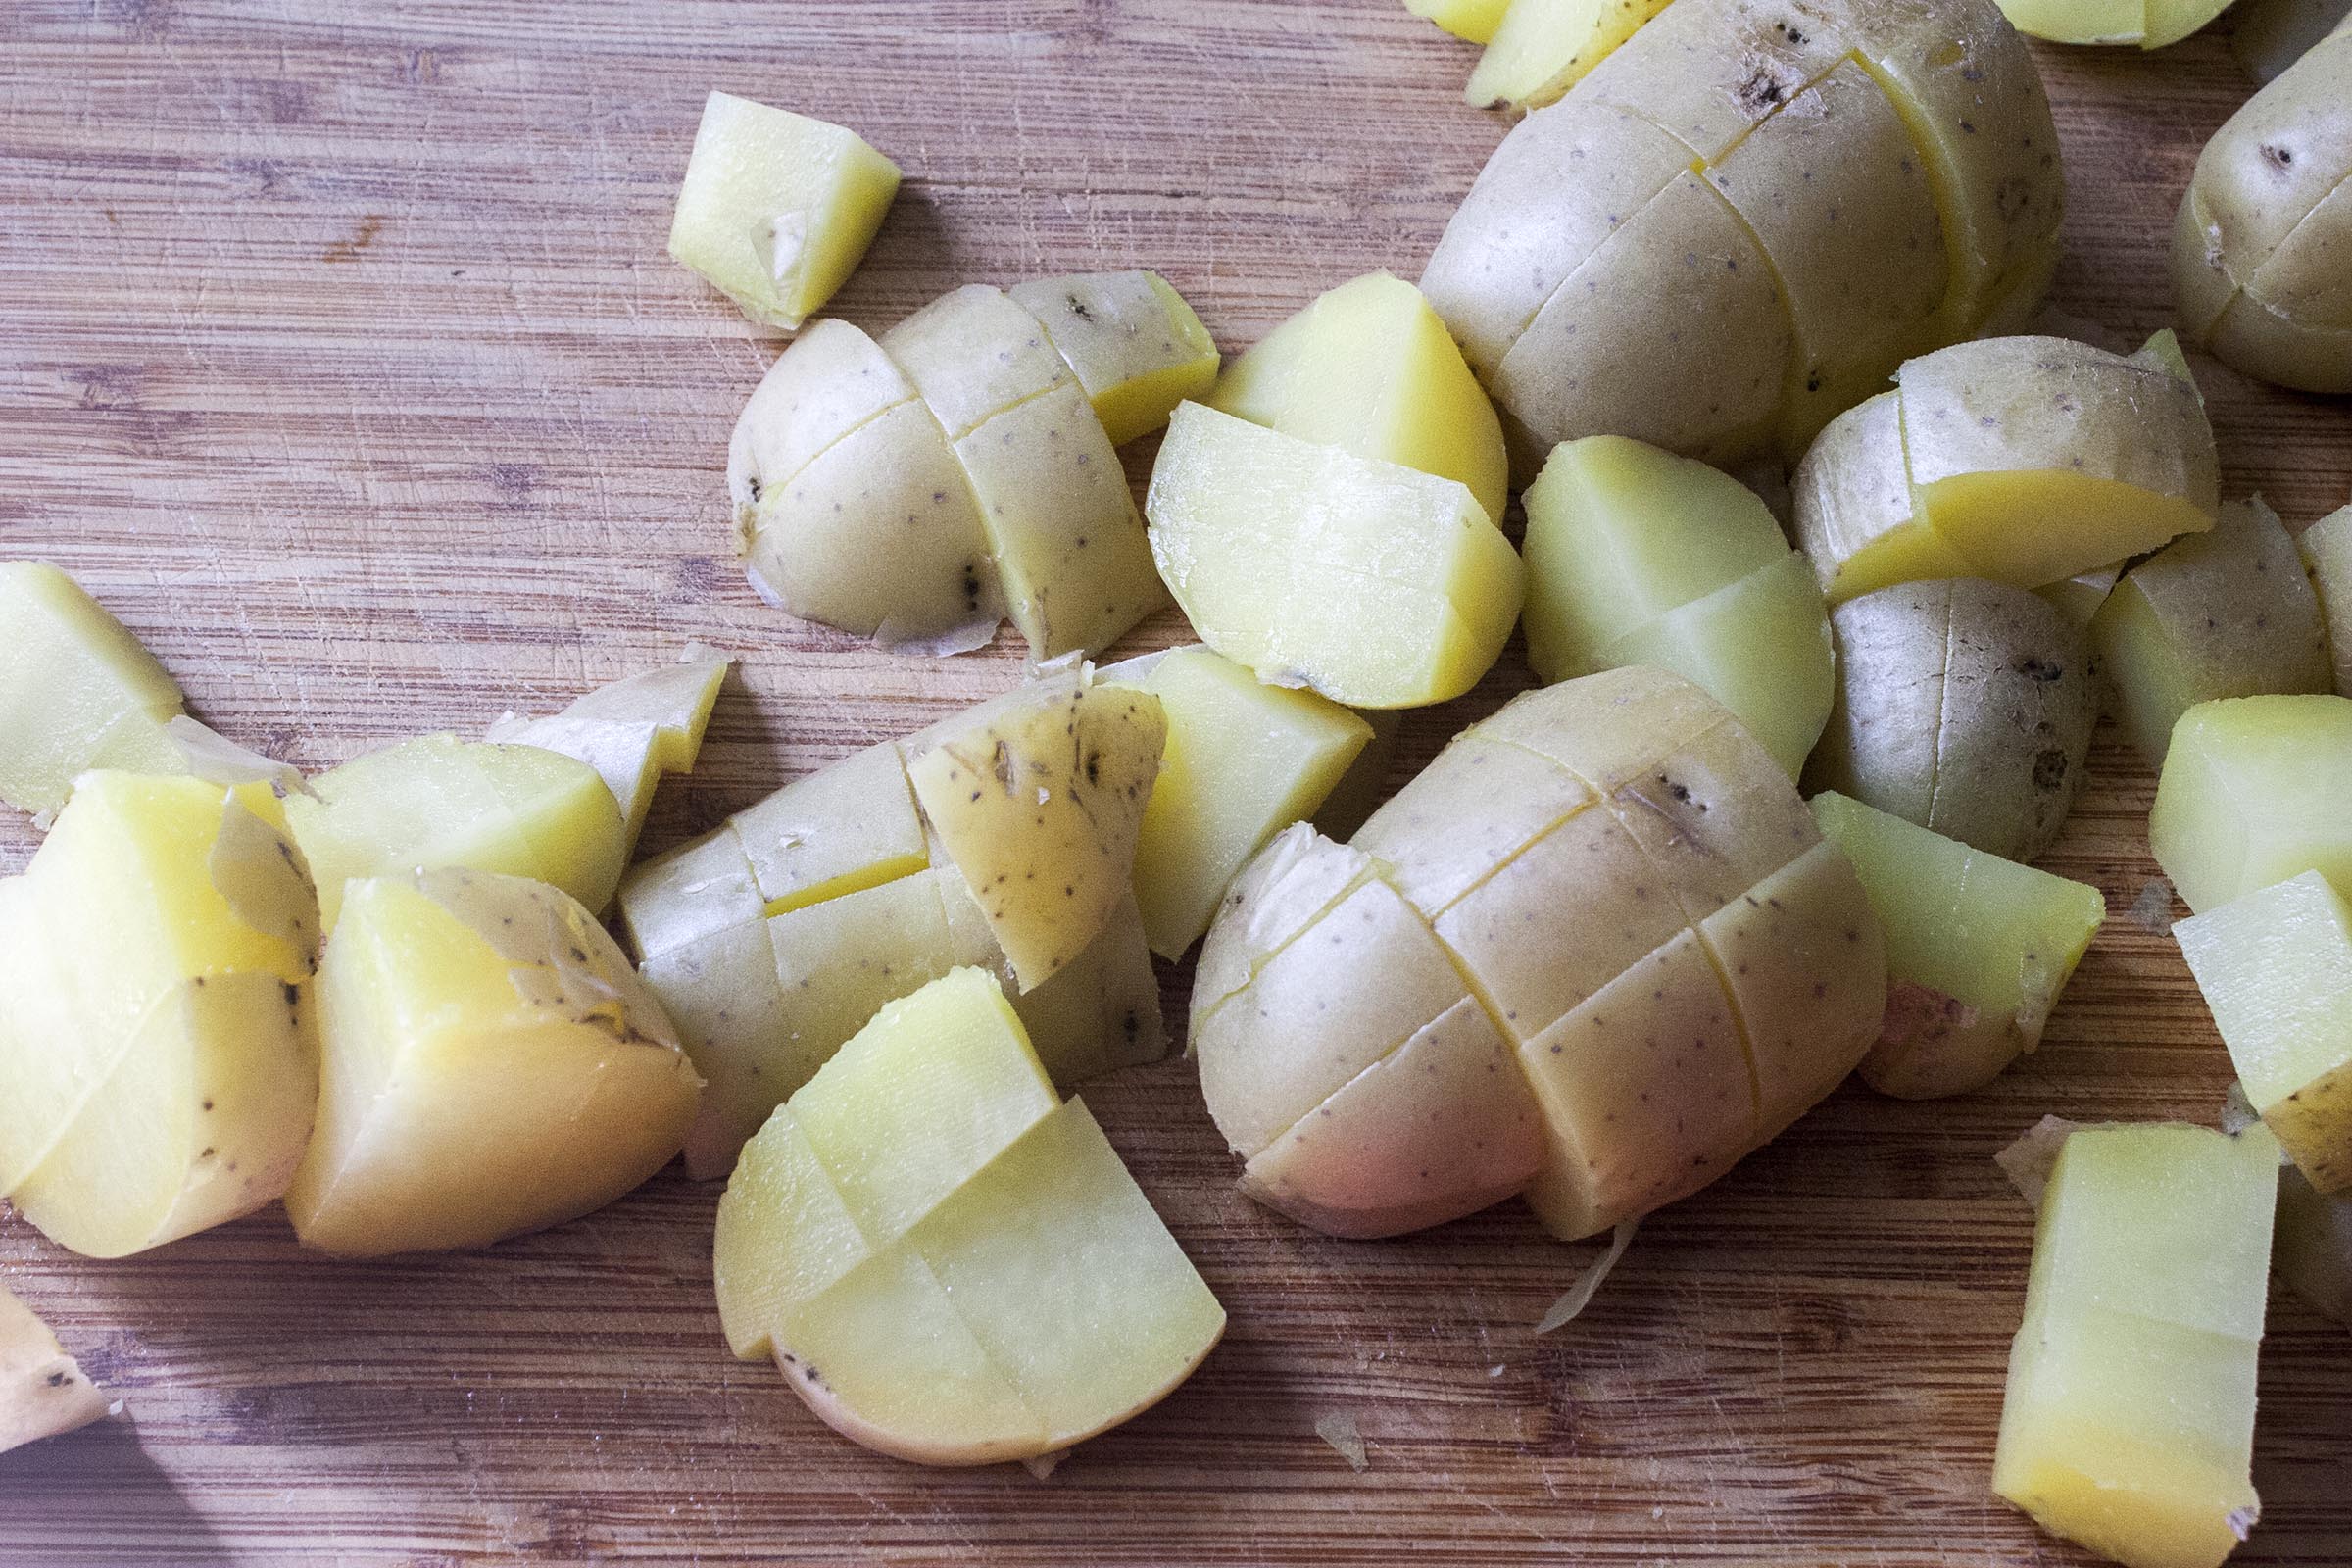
(2252, 793)
(491, 1065)
(632, 733)
(2275, 968)
(776, 936)
(2149, 23)
(2260, 269)
(1963, 706)
(77, 691)
(2080, 597)
(1368, 367)
(2128, 1422)
(920, 488)
(948, 1263)
(438, 801)
(2223, 614)
(777, 209)
(1353, 1003)
(2326, 550)
(1828, 198)
(158, 1063)
(1961, 469)
(1375, 584)
(1637, 557)
(1473, 21)
(1244, 761)
(43, 1390)
(1978, 950)
(1544, 47)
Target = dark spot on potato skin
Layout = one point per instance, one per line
(2051, 771)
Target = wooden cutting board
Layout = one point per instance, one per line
(340, 354)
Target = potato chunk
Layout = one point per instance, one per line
(2128, 1423)
(632, 733)
(777, 209)
(2326, 550)
(2251, 793)
(949, 1265)
(1978, 950)
(1129, 339)
(77, 691)
(43, 1390)
(492, 1066)
(1544, 47)
(1474, 21)
(157, 1057)
(1375, 584)
(2224, 613)
(1368, 367)
(2276, 966)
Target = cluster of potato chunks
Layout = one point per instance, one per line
(1767, 823)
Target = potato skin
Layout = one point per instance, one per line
(2262, 248)
(1963, 706)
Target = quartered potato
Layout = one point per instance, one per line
(77, 691)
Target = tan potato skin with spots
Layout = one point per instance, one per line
(1596, 952)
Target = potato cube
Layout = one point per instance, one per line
(777, 209)
(2276, 966)
(632, 733)
(1375, 584)
(77, 691)
(2252, 793)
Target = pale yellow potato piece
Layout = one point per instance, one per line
(2097, 22)
(1442, 1127)
(881, 534)
(631, 731)
(491, 1067)
(1101, 1011)
(1039, 808)
(1473, 21)
(1544, 47)
(2224, 613)
(1134, 345)
(1978, 950)
(1854, 515)
(2128, 1421)
(1482, 802)
(830, 380)
(77, 691)
(2326, 550)
(1715, 814)
(2004, 435)
(43, 1390)
(438, 800)
(1242, 761)
(776, 208)
(1070, 550)
(973, 353)
(1369, 368)
(1375, 584)
(1291, 884)
(2251, 793)
(1608, 730)
(847, 826)
(696, 890)
(779, 1189)
(733, 1018)
(2275, 968)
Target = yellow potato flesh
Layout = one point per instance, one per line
(2276, 966)
(1242, 761)
(1134, 345)
(2250, 796)
(1375, 584)
(1999, 522)
(1473, 21)
(1544, 47)
(1369, 368)
(441, 801)
(777, 209)
(2124, 21)
(491, 1067)
(77, 691)
(632, 733)
(1856, 518)
(947, 1264)
(2128, 1422)
(157, 1062)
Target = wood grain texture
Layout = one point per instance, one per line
(341, 357)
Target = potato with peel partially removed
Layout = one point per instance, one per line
(948, 1263)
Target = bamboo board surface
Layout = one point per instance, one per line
(339, 354)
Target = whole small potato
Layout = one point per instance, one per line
(2262, 249)
(1597, 951)
(1963, 706)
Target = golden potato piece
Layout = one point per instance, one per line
(77, 691)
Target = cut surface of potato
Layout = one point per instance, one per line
(1544, 47)
(1473, 21)
(948, 1265)
(2128, 1422)
(2253, 794)
(631, 731)
(1242, 761)
(156, 1060)
(43, 1390)
(438, 800)
(77, 691)
(1131, 340)
(1375, 584)
(2224, 613)
(2275, 968)
(1978, 950)
(2326, 550)
(777, 209)
(491, 1065)
(2147, 23)
(1369, 368)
